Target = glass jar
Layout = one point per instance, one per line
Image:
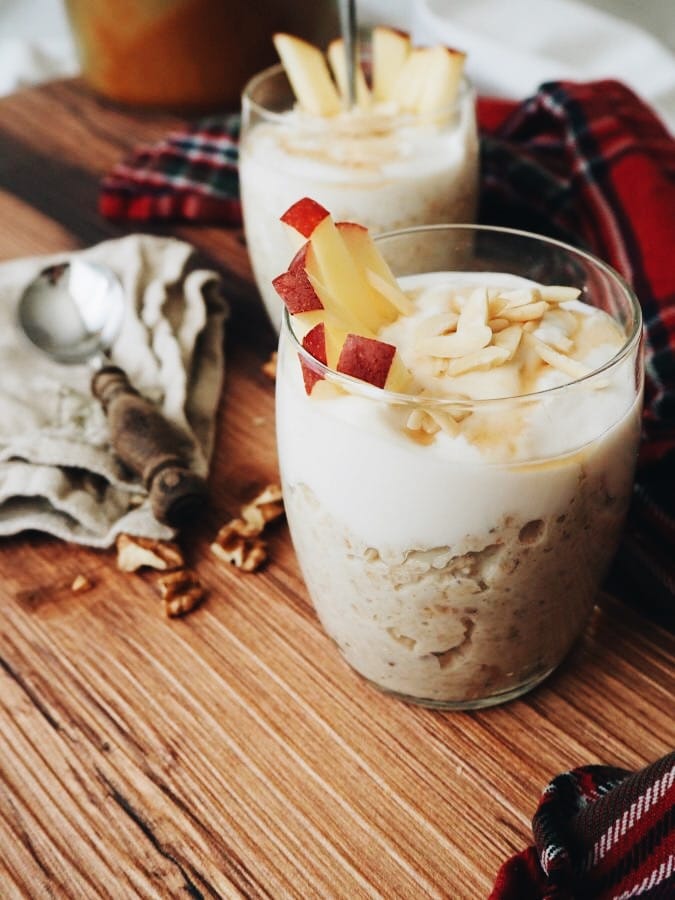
(186, 54)
(458, 571)
(386, 171)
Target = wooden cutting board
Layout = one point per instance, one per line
(232, 752)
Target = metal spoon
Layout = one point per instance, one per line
(73, 312)
(348, 28)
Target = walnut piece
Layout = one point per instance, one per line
(135, 552)
(269, 368)
(181, 591)
(237, 545)
(238, 541)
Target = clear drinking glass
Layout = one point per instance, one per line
(459, 573)
(385, 171)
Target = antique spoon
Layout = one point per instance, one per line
(73, 312)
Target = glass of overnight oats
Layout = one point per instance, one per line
(405, 154)
(458, 416)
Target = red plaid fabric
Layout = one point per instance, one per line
(601, 833)
(190, 175)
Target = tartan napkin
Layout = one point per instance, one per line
(601, 833)
(587, 163)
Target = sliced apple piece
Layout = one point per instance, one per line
(374, 268)
(411, 81)
(329, 260)
(337, 58)
(443, 68)
(307, 71)
(391, 49)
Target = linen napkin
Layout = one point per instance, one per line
(600, 832)
(58, 473)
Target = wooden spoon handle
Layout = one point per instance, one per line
(150, 446)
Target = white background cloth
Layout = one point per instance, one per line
(513, 45)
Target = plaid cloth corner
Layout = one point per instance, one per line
(600, 832)
(190, 175)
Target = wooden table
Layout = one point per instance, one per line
(233, 753)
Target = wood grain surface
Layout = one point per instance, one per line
(232, 753)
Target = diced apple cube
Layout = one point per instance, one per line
(314, 342)
(365, 358)
(390, 51)
(295, 288)
(337, 58)
(307, 71)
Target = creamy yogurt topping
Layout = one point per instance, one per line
(516, 457)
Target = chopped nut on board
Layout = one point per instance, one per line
(135, 552)
(235, 545)
(238, 541)
(181, 591)
(269, 368)
(81, 584)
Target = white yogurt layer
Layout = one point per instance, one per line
(414, 550)
(385, 172)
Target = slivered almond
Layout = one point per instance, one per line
(444, 421)
(438, 324)
(563, 319)
(498, 324)
(391, 292)
(496, 305)
(481, 359)
(525, 313)
(553, 336)
(469, 340)
(520, 297)
(555, 293)
(571, 367)
(509, 339)
(475, 310)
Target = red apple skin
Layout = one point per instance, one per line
(347, 226)
(366, 358)
(294, 286)
(314, 342)
(304, 216)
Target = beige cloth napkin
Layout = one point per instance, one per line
(57, 471)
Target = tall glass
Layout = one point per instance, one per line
(458, 573)
(386, 171)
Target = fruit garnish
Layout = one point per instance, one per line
(420, 80)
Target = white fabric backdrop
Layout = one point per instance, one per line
(513, 45)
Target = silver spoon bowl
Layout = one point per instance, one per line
(73, 312)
